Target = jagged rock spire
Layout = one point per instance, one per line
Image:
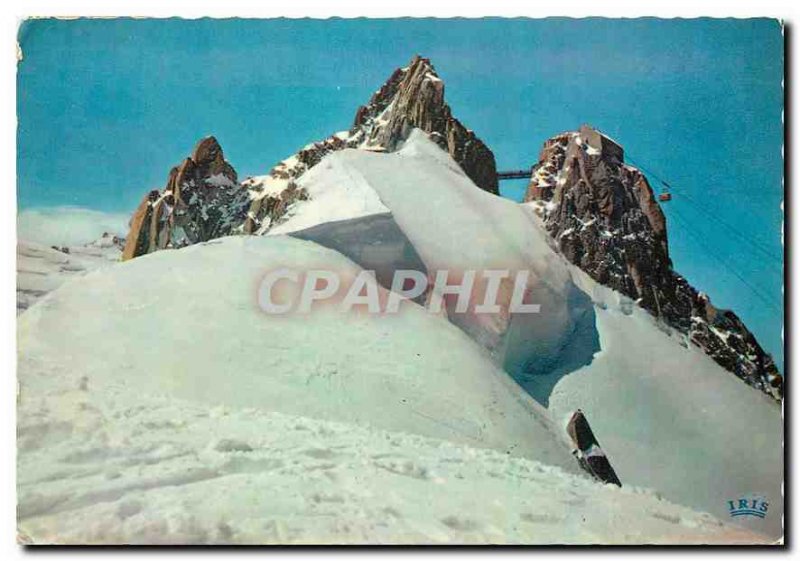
(413, 97)
(203, 200)
(606, 220)
(200, 201)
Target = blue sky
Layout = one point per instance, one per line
(106, 107)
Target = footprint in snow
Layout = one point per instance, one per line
(128, 509)
(320, 453)
(326, 498)
(231, 445)
(541, 518)
(671, 518)
(460, 524)
(408, 469)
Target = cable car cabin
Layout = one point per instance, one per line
(665, 197)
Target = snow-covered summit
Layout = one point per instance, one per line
(660, 406)
(601, 212)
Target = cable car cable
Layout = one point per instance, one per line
(699, 207)
(766, 299)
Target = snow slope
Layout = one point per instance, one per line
(670, 418)
(335, 193)
(455, 227)
(171, 410)
(187, 324)
(140, 470)
(41, 268)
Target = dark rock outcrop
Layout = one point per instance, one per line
(606, 220)
(413, 97)
(203, 200)
(267, 210)
(271, 203)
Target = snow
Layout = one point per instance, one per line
(673, 419)
(41, 269)
(265, 186)
(668, 416)
(161, 324)
(166, 471)
(335, 193)
(219, 180)
(158, 404)
(424, 189)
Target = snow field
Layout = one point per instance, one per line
(165, 471)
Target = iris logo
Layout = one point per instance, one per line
(748, 506)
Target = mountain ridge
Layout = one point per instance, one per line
(601, 212)
(604, 217)
(203, 199)
(186, 325)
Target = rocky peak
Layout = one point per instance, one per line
(210, 160)
(201, 201)
(413, 97)
(605, 219)
(600, 210)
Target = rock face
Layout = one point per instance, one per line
(272, 195)
(203, 200)
(413, 97)
(606, 220)
(601, 212)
